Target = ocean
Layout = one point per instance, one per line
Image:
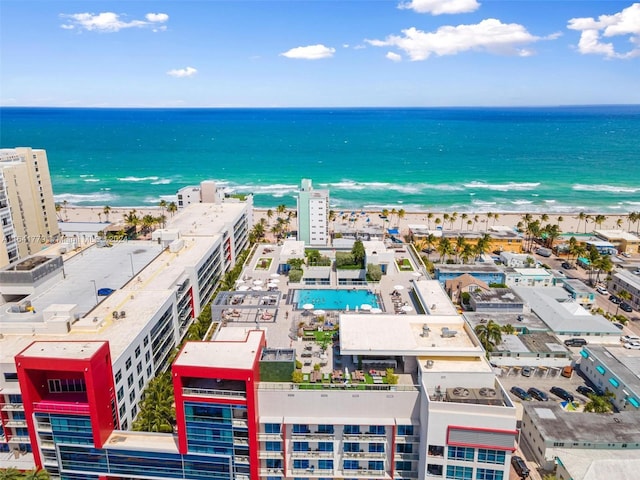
(555, 159)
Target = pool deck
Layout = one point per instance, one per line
(285, 322)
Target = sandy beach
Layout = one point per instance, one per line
(480, 222)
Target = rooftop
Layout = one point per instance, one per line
(145, 441)
(621, 362)
(557, 425)
(527, 320)
(403, 335)
(82, 350)
(206, 219)
(433, 297)
(592, 464)
(617, 235)
(234, 348)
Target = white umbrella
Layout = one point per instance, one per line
(346, 308)
(274, 275)
(243, 288)
(239, 281)
(258, 282)
(416, 274)
(308, 306)
(366, 307)
(272, 285)
(376, 310)
(406, 308)
(398, 287)
(356, 308)
(256, 288)
(318, 313)
(275, 280)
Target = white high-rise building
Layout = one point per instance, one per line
(27, 209)
(313, 215)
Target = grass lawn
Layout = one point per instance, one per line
(404, 264)
(263, 263)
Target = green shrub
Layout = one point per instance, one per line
(374, 272)
(295, 275)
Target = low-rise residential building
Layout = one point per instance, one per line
(529, 277)
(623, 241)
(502, 300)
(488, 272)
(501, 239)
(579, 292)
(517, 260)
(629, 282)
(464, 283)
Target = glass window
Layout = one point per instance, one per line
(351, 465)
(376, 447)
(145, 342)
(130, 380)
(138, 351)
(128, 363)
(325, 464)
(404, 447)
(436, 450)
(352, 429)
(486, 474)
(461, 453)
(325, 446)
(327, 429)
(376, 465)
(407, 466)
(405, 430)
(351, 447)
(300, 446)
(486, 455)
(376, 429)
(300, 428)
(301, 464)
(273, 446)
(272, 428)
(455, 472)
(118, 376)
(120, 393)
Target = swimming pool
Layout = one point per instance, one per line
(332, 299)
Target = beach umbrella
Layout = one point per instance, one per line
(346, 308)
(318, 313)
(274, 275)
(398, 287)
(271, 285)
(376, 310)
(256, 288)
(416, 274)
(239, 281)
(308, 306)
(243, 288)
(366, 307)
(258, 282)
(274, 280)
(406, 308)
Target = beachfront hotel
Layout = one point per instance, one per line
(107, 319)
(27, 210)
(313, 215)
(402, 390)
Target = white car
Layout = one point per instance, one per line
(632, 345)
(630, 339)
(602, 291)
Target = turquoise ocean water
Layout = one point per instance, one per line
(564, 159)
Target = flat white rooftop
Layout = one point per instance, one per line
(440, 364)
(434, 298)
(82, 350)
(403, 335)
(234, 354)
(617, 235)
(146, 441)
(206, 219)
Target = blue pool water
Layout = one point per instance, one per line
(335, 299)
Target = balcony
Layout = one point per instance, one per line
(12, 407)
(264, 454)
(408, 439)
(240, 441)
(312, 454)
(363, 472)
(311, 471)
(240, 423)
(210, 392)
(265, 437)
(378, 455)
(365, 437)
(271, 471)
(61, 407)
(17, 439)
(16, 424)
(241, 459)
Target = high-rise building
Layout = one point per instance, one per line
(27, 209)
(313, 215)
(206, 192)
(113, 316)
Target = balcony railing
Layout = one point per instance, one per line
(365, 436)
(311, 471)
(269, 437)
(365, 455)
(312, 453)
(16, 424)
(12, 407)
(271, 471)
(62, 407)
(264, 454)
(211, 392)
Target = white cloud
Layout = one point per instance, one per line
(110, 22)
(182, 72)
(438, 7)
(489, 35)
(626, 22)
(311, 52)
(394, 57)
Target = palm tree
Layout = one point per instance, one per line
(58, 210)
(429, 217)
(132, 219)
(496, 216)
(463, 217)
(489, 334)
(460, 243)
(633, 217)
(452, 219)
(599, 220)
(624, 296)
(581, 217)
(401, 214)
(269, 215)
(147, 223)
(431, 240)
(106, 211)
(619, 223)
(172, 208)
(10, 474)
(37, 474)
(66, 214)
(599, 403)
(560, 219)
(467, 253)
(163, 205)
(508, 329)
(476, 218)
(482, 245)
(445, 249)
(544, 217)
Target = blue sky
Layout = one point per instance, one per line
(319, 53)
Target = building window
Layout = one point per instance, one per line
(141, 383)
(271, 428)
(491, 456)
(147, 357)
(325, 464)
(149, 371)
(128, 363)
(376, 430)
(130, 380)
(300, 428)
(351, 447)
(325, 446)
(376, 447)
(67, 385)
(145, 341)
(118, 376)
(461, 453)
(436, 451)
(486, 474)
(351, 465)
(301, 464)
(455, 472)
(273, 446)
(300, 446)
(406, 430)
(134, 411)
(132, 395)
(376, 465)
(120, 393)
(326, 429)
(123, 409)
(352, 429)
(138, 351)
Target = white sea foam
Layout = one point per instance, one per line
(605, 188)
(522, 202)
(156, 200)
(75, 198)
(482, 203)
(91, 180)
(503, 187)
(138, 179)
(162, 181)
(549, 201)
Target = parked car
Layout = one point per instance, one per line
(527, 371)
(567, 371)
(636, 272)
(520, 466)
(632, 345)
(538, 394)
(584, 390)
(618, 325)
(562, 393)
(602, 291)
(629, 338)
(575, 342)
(626, 307)
(614, 299)
(520, 393)
(566, 266)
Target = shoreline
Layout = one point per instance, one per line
(465, 221)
